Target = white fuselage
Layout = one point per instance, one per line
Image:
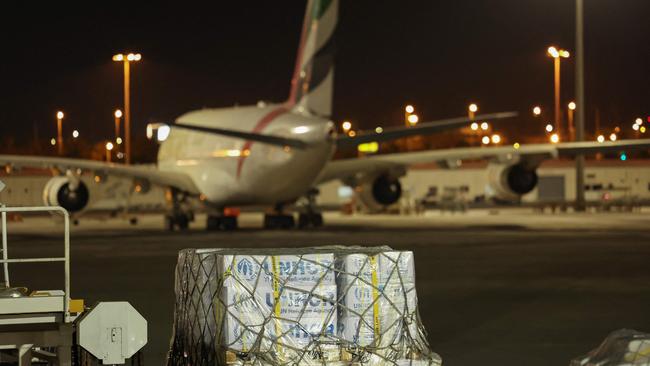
(233, 171)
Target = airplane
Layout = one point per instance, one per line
(274, 154)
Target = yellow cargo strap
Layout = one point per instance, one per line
(375, 296)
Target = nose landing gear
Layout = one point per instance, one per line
(179, 215)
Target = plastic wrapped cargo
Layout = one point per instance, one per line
(624, 347)
(306, 306)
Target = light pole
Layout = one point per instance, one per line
(572, 130)
(126, 60)
(59, 132)
(580, 100)
(109, 147)
(408, 110)
(471, 110)
(118, 116)
(557, 54)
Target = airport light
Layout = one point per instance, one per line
(555, 138)
(600, 138)
(126, 60)
(59, 132)
(346, 126)
(642, 129)
(118, 140)
(413, 119)
(408, 112)
(613, 137)
(75, 134)
(572, 131)
(557, 54)
(474, 126)
(537, 111)
(378, 129)
(52, 141)
(352, 133)
(109, 147)
(471, 110)
(516, 145)
(118, 116)
(638, 121)
(485, 140)
(496, 139)
(549, 128)
(485, 126)
(635, 127)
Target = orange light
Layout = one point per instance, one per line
(555, 138)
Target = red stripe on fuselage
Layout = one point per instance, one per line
(261, 124)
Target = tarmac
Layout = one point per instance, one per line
(495, 287)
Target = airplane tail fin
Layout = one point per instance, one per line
(313, 79)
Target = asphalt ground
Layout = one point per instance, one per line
(495, 287)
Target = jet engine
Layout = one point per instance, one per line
(71, 194)
(511, 181)
(381, 191)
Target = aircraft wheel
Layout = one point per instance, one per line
(279, 222)
(229, 223)
(310, 220)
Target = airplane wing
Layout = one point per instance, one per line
(361, 137)
(146, 171)
(344, 168)
(422, 128)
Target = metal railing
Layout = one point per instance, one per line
(66, 256)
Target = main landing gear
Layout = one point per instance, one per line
(226, 223)
(179, 216)
(309, 215)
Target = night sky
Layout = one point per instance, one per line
(438, 55)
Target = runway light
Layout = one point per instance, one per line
(118, 140)
(549, 128)
(613, 137)
(537, 111)
(485, 140)
(379, 129)
(346, 126)
(75, 134)
(53, 141)
(496, 139)
(474, 126)
(484, 126)
(600, 138)
(555, 138)
(409, 109)
(516, 145)
(413, 119)
(473, 108)
(623, 156)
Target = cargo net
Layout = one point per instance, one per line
(309, 306)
